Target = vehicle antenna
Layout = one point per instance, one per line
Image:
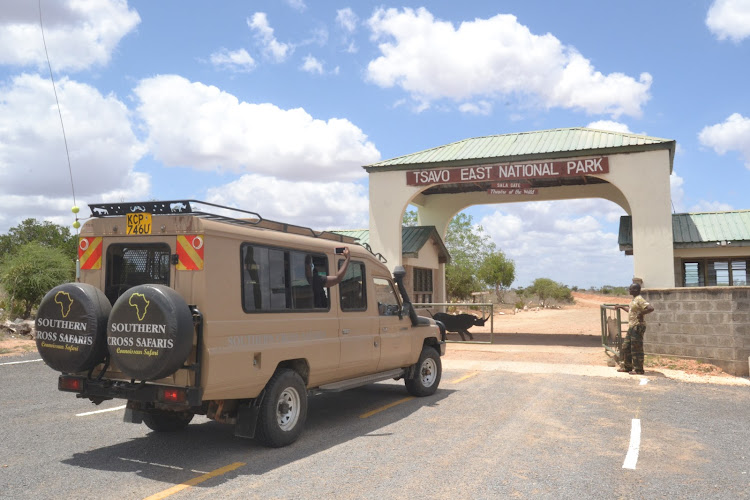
(75, 209)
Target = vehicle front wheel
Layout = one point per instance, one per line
(283, 411)
(167, 421)
(427, 374)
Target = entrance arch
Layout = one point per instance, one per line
(630, 170)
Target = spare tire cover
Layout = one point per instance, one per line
(150, 332)
(71, 327)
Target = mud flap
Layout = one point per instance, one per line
(247, 418)
(132, 416)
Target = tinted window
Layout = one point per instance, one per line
(129, 265)
(352, 288)
(275, 279)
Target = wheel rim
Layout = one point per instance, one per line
(428, 372)
(287, 409)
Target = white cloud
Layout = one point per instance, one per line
(678, 192)
(347, 19)
(732, 135)
(78, 34)
(711, 206)
(562, 240)
(729, 19)
(610, 125)
(34, 171)
(239, 61)
(476, 108)
(312, 65)
(298, 5)
(320, 205)
(200, 126)
(493, 58)
(272, 48)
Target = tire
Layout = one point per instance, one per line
(283, 411)
(427, 373)
(167, 421)
(150, 332)
(71, 327)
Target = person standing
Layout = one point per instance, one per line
(631, 351)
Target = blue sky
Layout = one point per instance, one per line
(275, 106)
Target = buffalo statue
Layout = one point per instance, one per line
(459, 323)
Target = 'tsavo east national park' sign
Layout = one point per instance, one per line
(509, 171)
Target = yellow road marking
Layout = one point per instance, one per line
(383, 408)
(461, 379)
(195, 480)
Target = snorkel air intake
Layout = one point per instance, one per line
(398, 274)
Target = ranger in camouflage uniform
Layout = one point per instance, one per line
(631, 352)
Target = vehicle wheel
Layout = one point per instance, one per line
(167, 421)
(427, 374)
(283, 411)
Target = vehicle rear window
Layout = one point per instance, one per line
(129, 265)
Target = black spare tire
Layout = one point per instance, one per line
(71, 327)
(150, 332)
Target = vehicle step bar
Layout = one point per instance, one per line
(359, 381)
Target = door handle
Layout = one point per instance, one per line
(345, 331)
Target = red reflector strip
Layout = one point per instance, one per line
(173, 395)
(72, 384)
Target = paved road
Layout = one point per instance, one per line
(489, 432)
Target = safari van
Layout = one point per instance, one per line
(181, 311)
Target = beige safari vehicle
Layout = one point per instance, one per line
(182, 312)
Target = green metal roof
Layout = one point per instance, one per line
(704, 229)
(556, 143)
(413, 238)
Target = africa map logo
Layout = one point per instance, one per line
(141, 303)
(64, 300)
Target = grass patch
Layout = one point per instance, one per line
(5, 351)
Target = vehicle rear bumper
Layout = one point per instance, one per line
(142, 392)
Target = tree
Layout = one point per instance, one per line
(409, 219)
(497, 271)
(468, 246)
(547, 290)
(32, 271)
(45, 233)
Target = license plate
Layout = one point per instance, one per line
(139, 223)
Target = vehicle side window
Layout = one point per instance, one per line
(279, 280)
(309, 273)
(352, 288)
(385, 294)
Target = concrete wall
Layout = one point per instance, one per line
(711, 324)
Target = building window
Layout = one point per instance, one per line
(422, 285)
(724, 272)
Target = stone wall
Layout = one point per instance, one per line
(711, 324)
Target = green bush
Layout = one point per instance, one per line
(30, 272)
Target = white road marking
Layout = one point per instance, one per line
(19, 362)
(100, 411)
(644, 381)
(635, 445)
(143, 462)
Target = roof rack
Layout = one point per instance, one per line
(190, 207)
